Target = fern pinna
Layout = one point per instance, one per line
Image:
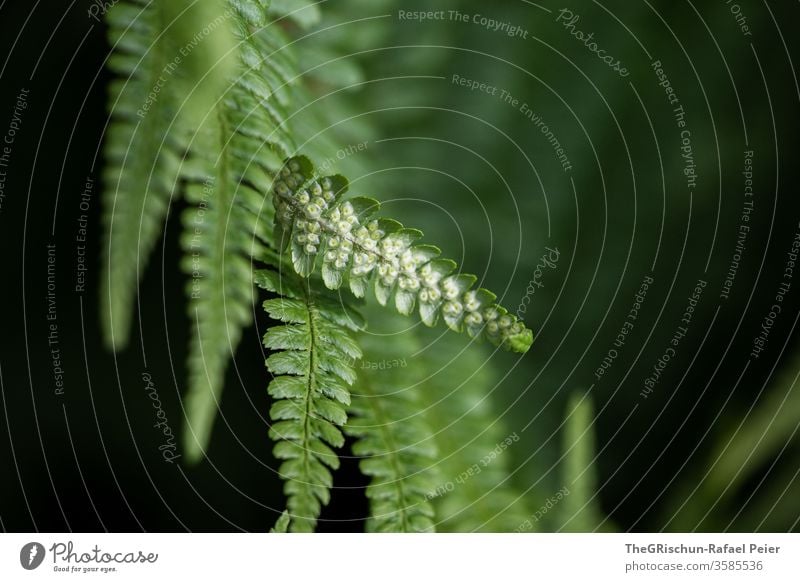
(224, 158)
(394, 438)
(230, 150)
(232, 155)
(312, 219)
(475, 491)
(142, 157)
(312, 373)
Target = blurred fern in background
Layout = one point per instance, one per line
(465, 437)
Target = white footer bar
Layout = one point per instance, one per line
(390, 557)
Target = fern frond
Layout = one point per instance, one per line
(217, 242)
(312, 220)
(476, 492)
(243, 140)
(312, 372)
(580, 511)
(304, 13)
(282, 524)
(169, 58)
(394, 438)
(142, 154)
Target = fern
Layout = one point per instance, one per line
(282, 524)
(142, 157)
(228, 144)
(148, 135)
(312, 373)
(241, 142)
(475, 490)
(312, 220)
(241, 145)
(394, 439)
(304, 13)
(580, 510)
(419, 426)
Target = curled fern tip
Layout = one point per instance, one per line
(313, 221)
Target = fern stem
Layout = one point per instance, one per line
(312, 348)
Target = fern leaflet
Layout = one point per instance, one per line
(232, 155)
(312, 373)
(580, 511)
(312, 220)
(475, 447)
(282, 524)
(394, 439)
(142, 155)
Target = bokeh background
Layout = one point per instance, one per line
(713, 446)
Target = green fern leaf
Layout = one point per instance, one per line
(312, 373)
(394, 440)
(475, 492)
(304, 13)
(313, 221)
(231, 159)
(170, 59)
(282, 524)
(580, 511)
(231, 136)
(142, 154)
